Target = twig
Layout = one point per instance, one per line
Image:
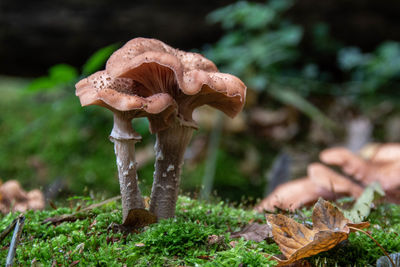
(211, 162)
(74, 216)
(379, 245)
(8, 230)
(14, 241)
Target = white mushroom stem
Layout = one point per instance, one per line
(124, 138)
(170, 148)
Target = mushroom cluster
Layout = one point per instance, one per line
(147, 78)
(14, 198)
(375, 163)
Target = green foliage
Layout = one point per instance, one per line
(372, 73)
(270, 54)
(362, 207)
(48, 136)
(64, 75)
(258, 41)
(229, 182)
(179, 241)
(290, 97)
(261, 47)
(59, 75)
(97, 60)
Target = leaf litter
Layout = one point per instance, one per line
(296, 241)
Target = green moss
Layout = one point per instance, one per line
(179, 241)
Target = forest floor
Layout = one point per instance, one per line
(200, 235)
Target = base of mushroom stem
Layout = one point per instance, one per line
(170, 148)
(136, 218)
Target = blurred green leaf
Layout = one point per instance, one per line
(292, 98)
(97, 60)
(40, 84)
(59, 75)
(63, 73)
(362, 207)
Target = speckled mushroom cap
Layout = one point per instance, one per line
(191, 79)
(122, 95)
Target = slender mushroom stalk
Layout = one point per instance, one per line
(119, 96)
(124, 138)
(170, 148)
(192, 81)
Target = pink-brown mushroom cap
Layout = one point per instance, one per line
(191, 79)
(292, 195)
(120, 94)
(350, 163)
(330, 180)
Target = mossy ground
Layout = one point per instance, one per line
(179, 241)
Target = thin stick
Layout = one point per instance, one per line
(211, 162)
(8, 230)
(14, 241)
(379, 245)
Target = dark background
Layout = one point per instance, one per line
(35, 35)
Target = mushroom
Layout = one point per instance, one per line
(383, 166)
(124, 98)
(292, 195)
(192, 81)
(320, 182)
(35, 199)
(328, 179)
(14, 198)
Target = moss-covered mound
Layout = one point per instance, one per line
(180, 241)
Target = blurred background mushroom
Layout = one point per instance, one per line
(311, 86)
(13, 198)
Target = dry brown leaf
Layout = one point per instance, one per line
(296, 241)
(254, 231)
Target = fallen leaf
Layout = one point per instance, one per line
(296, 241)
(362, 207)
(254, 231)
